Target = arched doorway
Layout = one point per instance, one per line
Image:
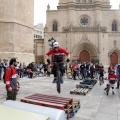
(114, 58)
(84, 56)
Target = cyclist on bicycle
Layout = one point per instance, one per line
(112, 79)
(57, 51)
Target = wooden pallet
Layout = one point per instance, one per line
(76, 105)
(62, 103)
(86, 85)
(80, 91)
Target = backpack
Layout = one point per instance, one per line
(5, 74)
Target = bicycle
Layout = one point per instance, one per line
(107, 89)
(111, 82)
(70, 75)
(59, 76)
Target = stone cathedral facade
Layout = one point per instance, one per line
(16, 29)
(88, 29)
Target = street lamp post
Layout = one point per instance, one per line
(51, 41)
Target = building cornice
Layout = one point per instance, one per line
(18, 24)
(96, 28)
(73, 5)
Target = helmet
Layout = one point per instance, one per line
(55, 44)
(112, 71)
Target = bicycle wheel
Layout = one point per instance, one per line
(102, 79)
(58, 81)
(69, 75)
(107, 90)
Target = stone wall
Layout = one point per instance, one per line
(16, 29)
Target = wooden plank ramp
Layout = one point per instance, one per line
(80, 91)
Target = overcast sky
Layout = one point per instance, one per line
(40, 7)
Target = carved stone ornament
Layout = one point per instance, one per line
(96, 28)
(84, 37)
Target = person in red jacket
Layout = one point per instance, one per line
(112, 79)
(57, 53)
(11, 80)
(75, 69)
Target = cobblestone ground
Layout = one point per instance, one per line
(94, 106)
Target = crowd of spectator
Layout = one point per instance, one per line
(31, 70)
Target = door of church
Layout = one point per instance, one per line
(114, 58)
(84, 56)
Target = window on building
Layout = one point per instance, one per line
(55, 26)
(84, 21)
(114, 26)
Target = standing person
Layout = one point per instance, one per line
(92, 71)
(45, 69)
(24, 69)
(1, 66)
(48, 70)
(79, 64)
(87, 70)
(11, 80)
(101, 72)
(118, 76)
(96, 70)
(57, 51)
(75, 69)
(18, 68)
(4, 64)
(82, 68)
(40, 65)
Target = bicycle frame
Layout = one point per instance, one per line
(108, 87)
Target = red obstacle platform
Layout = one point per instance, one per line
(62, 103)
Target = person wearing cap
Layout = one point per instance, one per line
(57, 50)
(11, 80)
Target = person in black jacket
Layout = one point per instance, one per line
(1, 66)
(82, 68)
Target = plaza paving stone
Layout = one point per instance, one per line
(94, 106)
